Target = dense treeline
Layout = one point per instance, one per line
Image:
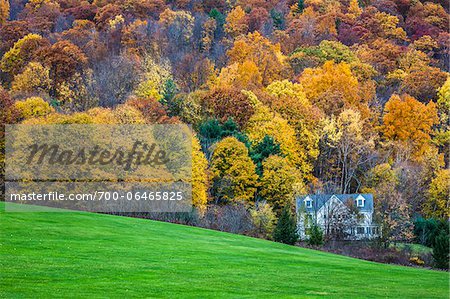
(286, 97)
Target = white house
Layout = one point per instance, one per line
(342, 216)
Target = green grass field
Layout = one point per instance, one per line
(93, 255)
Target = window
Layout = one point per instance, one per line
(360, 203)
(368, 230)
(360, 230)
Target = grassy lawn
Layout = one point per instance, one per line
(93, 255)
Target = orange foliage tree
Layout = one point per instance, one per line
(409, 122)
(265, 55)
(4, 11)
(333, 88)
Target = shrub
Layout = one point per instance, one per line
(263, 219)
(416, 260)
(233, 218)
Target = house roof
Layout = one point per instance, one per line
(318, 200)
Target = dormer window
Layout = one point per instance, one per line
(360, 202)
(308, 202)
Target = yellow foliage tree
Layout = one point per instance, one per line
(102, 115)
(233, 172)
(353, 146)
(21, 53)
(208, 29)
(437, 204)
(155, 75)
(425, 43)
(180, 23)
(333, 88)
(244, 75)
(34, 79)
(148, 89)
(266, 122)
(57, 118)
(278, 182)
(37, 111)
(199, 176)
(33, 107)
(235, 22)
(354, 10)
(389, 26)
(126, 114)
(264, 219)
(381, 174)
(443, 105)
(289, 100)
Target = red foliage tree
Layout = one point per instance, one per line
(85, 11)
(256, 19)
(64, 60)
(229, 102)
(11, 32)
(152, 110)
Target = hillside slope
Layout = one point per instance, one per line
(83, 254)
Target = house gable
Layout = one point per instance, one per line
(308, 202)
(360, 201)
(319, 200)
(332, 204)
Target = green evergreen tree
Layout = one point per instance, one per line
(315, 235)
(301, 5)
(169, 100)
(212, 131)
(218, 16)
(286, 229)
(441, 250)
(278, 19)
(267, 147)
